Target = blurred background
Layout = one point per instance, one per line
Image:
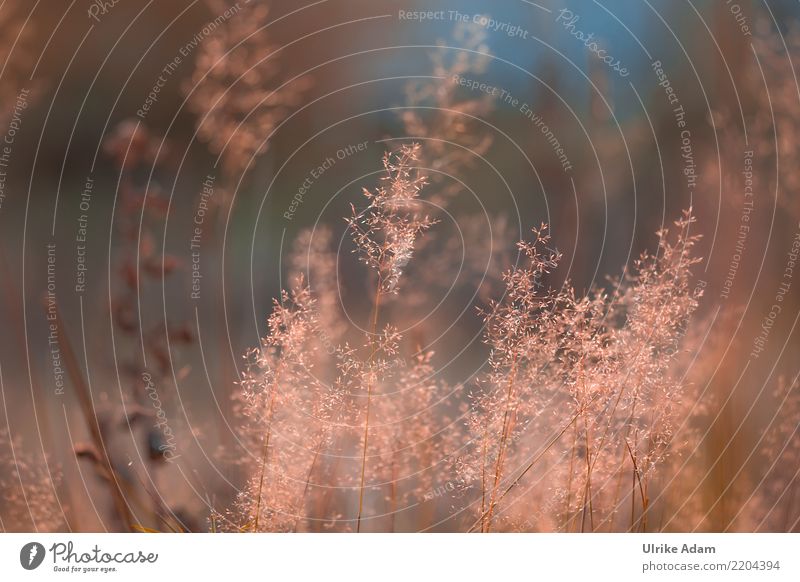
(161, 159)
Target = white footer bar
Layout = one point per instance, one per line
(401, 557)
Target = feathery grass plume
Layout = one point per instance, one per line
(387, 229)
(28, 499)
(235, 89)
(405, 447)
(513, 326)
(363, 378)
(273, 373)
(288, 417)
(626, 398)
(579, 393)
(652, 310)
(384, 234)
(415, 444)
(282, 381)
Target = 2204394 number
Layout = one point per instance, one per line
(755, 565)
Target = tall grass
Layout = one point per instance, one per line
(579, 416)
